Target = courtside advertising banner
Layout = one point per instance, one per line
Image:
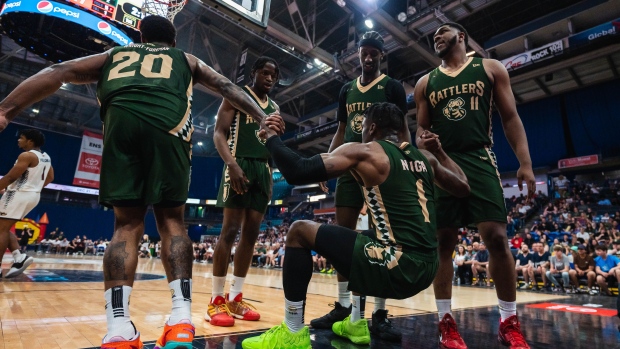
(89, 163)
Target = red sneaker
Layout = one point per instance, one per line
(242, 310)
(449, 337)
(218, 313)
(510, 335)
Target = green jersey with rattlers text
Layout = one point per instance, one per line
(402, 208)
(150, 82)
(358, 99)
(460, 106)
(243, 139)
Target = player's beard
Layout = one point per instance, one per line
(448, 46)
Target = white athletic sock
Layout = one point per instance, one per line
(294, 315)
(379, 304)
(358, 308)
(444, 306)
(218, 286)
(117, 314)
(181, 301)
(344, 296)
(507, 309)
(18, 256)
(236, 285)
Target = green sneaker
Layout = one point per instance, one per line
(280, 337)
(357, 332)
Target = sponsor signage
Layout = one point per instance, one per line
(586, 36)
(534, 56)
(317, 131)
(579, 161)
(89, 163)
(569, 308)
(68, 13)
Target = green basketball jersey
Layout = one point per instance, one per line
(460, 107)
(403, 206)
(151, 82)
(243, 139)
(358, 99)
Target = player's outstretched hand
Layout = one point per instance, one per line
(526, 174)
(276, 122)
(272, 125)
(430, 142)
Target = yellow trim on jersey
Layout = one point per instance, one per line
(175, 131)
(233, 137)
(382, 212)
(261, 104)
(364, 89)
(455, 73)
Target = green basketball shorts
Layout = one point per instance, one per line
(486, 202)
(259, 188)
(141, 164)
(349, 192)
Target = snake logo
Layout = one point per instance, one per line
(356, 123)
(454, 110)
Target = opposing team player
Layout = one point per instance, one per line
(245, 192)
(371, 87)
(398, 258)
(23, 184)
(145, 92)
(454, 102)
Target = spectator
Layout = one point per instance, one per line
(561, 184)
(481, 264)
(604, 201)
(540, 265)
(460, 267)
(607, 268)
(584, 269)
(516, 241)
(559, 266)
(583, 234)
(522, 265)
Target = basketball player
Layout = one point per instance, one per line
(146, 161)
(398, 258)
(23, 184)
(245, 192)
(454, 101)
(371, 87)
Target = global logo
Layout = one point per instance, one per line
(45, 6)
(91, 162)
(104, 28)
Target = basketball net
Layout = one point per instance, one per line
(164, 8)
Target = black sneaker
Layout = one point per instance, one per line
(382, 327)
(18, 268)
(339, 313)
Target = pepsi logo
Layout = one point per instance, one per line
(104, 27)
(45, 6)
(91, 162)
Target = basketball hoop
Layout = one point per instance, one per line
(164, 8)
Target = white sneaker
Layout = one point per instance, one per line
(18, 268)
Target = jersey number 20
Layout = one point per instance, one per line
(146, 65)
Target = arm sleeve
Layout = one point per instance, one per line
(395, 93)
(296, 169)
(342, 103)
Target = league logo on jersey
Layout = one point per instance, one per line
(356, 123)
(454, 110)
(261, 140)
(382, 255)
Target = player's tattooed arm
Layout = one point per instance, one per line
(114, 262)
(181, 257)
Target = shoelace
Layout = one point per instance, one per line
(513, 334)
(222, 308)
(245, 305)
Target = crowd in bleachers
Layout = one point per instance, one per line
(572, 246)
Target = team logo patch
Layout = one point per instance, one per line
(382, 255)
(261, 140)
(356, 123)
(454, 110)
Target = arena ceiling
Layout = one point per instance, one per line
(314, 43)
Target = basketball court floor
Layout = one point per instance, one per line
(58, 303)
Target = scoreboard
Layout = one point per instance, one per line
(126, 12)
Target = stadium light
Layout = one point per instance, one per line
(471, 53)
(402, 17)
(369, 23)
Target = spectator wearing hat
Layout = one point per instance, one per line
(584, 269)
(559, 266)
(607, 268)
